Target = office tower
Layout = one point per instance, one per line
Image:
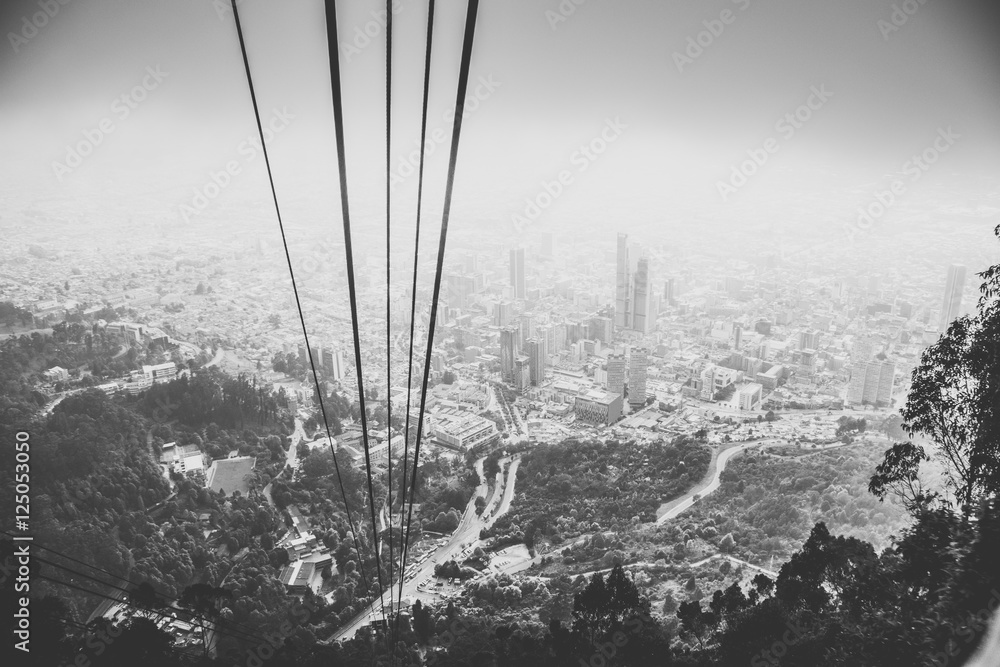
(887, 373)
(509, 351)
(637, 367)
(623, 285)
(536, 361)
(643, 316)
(333, 362)
(737, 336)
(809, 340)
(601, 328)
(527, 327)
(522, 373)
(460, 289)
(502, 312)
(616, 373)
(517, 272)
(670, 291)
(952, 305)
(871, 383)
(470, 263)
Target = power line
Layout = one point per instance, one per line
(298, 305)
(463, 84)
(167, 599)
(404, 544)
(388, 279)
(338, 119)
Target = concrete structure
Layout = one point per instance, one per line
(750, 396)
(598, 407)
(637, 369)
(517, 273)
(616, 368)
(951, 306)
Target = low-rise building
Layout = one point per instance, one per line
(598, 407)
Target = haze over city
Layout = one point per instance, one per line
(704, 374)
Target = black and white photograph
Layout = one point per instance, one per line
(500, 333)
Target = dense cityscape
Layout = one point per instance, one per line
(617, 381)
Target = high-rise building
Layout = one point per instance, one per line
(527, 327)
(601, 328)
(502, 312)
(809, 340)
(616, 373)
(643, 317)
(522, 373)
(517, 272)
(737, 336)
(670, 291)
(952, 304)
(871, 383)
(509, 351)
(623, 285)
(332, 362)
(637, 367)
(536, 361)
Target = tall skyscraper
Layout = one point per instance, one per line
(536, 361)
(637, 367)
(952, 305)
(670, 291)
(502, 312)
(527, 327)
(737, 336)
(509, 351)
(623, 285)
(616, 373)
(517, 272)
(643, 316)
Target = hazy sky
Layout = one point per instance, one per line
(556, 83)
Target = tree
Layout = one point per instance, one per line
(694, 622)
(423, 624)
(955, 401)
(448, 378)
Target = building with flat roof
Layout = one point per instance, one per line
(637, 368)
(750, 396)
(598, 407)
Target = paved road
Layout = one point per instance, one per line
(464, 539)
(705, 487)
